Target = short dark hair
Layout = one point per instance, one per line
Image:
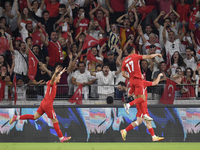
(62, 6)
(28, 38)
(45, 11)
(21, 43)
(27, 25)
(162, 63)
(97, 66)
(81, 62)
(57, 64)
(81, 8)
(129, 49)
(109, 100)
(122, 83)
(106, 64)
(2, 17)
(168, 19)
(188, 48)
(52, 32)
(93, 47)
(66, 16)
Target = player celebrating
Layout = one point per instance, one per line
(46, 105)
(131, 65)
(130, 92)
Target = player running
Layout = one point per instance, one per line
(46, 105)
(131, 65)
(130, 93)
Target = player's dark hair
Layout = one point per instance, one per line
(44, 12)
(28, 38)
(129, 49)
(109, 100)
(122, 83)
(81, 62)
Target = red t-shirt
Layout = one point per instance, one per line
(50, 92)
(55, 52)
(52, 8)
(84, 24)
(183, 11)
(132, 66)
(118, 5)
(102, 23)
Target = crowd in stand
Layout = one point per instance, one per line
(55, 31)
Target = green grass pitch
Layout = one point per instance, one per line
(100, 146)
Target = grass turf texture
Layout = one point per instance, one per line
(100, 146)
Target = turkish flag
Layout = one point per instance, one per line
(102, 41)
(91, 57)
(167, 62)
(32, 65)
(144, 10)
(4, 45)
(169, 92)
(15, 86)
(36, 37)
(77, 97)
(89, 42)
(2, 86)
(22, 4)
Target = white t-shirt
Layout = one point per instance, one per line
(172, 47)
(21, 92)
(20, 63)
(173, 68)
(139, 3)
(191, 63)
(108, 80)
(95, 34)
(39, 13)
(147, 44)
(161, 35)
(82, 77)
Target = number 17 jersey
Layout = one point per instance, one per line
(131, 64)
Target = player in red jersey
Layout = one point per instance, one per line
(139, 114)
(46, 105)
(131, 65)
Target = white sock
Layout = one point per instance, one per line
(61, 138)
(128, 104)
(18, 117)
(154, 136)
(125, 130)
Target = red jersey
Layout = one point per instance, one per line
(183, 11)
(102, 23)
(50, 92)
(132, 66)
(52, 8)
(55, 52)
(118, 5)
(84, 24)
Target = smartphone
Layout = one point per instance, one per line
(83, 14)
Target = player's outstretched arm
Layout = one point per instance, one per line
(155, 82)
(151, 56)
(124, 75)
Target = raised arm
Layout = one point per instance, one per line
(29, 5)
(54, 75)
(157, 19)
(45, 69)
(109, 7)
(151, 56)
(120, 19)
(42, 5)
(164, 33)
(101, 50)
(183, 31)
(107, 24)
(155, 82)
(45, 42)
(136, 19)
(118, 71)
(133, 5)
(193, 40)
(11, 47)
(140, 32)
(91, 13)
(79, 20)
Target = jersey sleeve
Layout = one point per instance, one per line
(147, 83)
(139, 57)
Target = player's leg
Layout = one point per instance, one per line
(151, 131)
(52, 115)
(37, 115)
(130, 127)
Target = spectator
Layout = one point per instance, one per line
(183, 9)
(36, 7)
(186, 42)
(113, 38)
(178, 77)
(175, 19)
(73, 7)
(41, 57)
(52, 7)
(29, 42)
(158, 90)
(89, 6)
(116, 9)
(130, 42)
(190, 60)
(92, 30)
(167, 22)
(111, 59)
(81, 21)
(17, 41)
(176, 61)
(54, 49)
(109, 100)
(82, 76)
(25, 32)
(196, 47)
(146, 70)
(152, 41)
(189, 78)
(171, 45)
(5, 25)
(133, 3)
(100, 11)
(105, 80)
(131, 17)
(11, 15)
(21, 57)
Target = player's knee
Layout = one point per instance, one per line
(139, 121)
(148, 123)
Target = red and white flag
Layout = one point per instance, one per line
(36, 37)
(15, 87)
(2, 87)
(144, 10)
(89, 42)
(32, 65)
(102, 41)
(4, 45)
(77, 97)
(91, 57)
(169, 92)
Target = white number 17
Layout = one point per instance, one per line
(130, 66)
